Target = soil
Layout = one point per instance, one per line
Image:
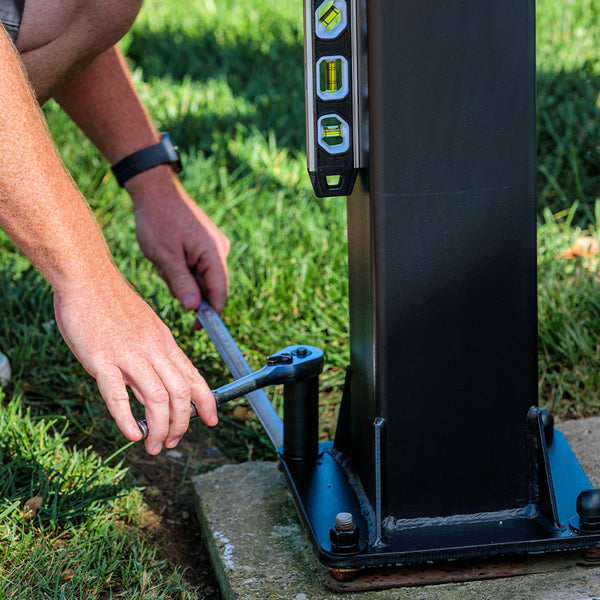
(170, 497)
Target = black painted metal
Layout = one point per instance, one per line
(441, 452)
(442, 255)
(541, 482)
(301, 419)
(323, 487)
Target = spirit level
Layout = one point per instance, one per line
(333, 75)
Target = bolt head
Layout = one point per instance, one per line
(588, 509)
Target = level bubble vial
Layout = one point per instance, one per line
(332, 75)
(333, 133)
(331, 19)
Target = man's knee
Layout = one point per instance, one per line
(59, 39)
(94, 25)
(113, 17)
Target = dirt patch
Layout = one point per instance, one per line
(170, 498)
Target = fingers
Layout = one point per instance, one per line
(210, 271)
(200, 394)
(188, 283)
(166, 389)
(152, 393)
(112, 388)
(216, 283)
(184, 386)
(208, 276)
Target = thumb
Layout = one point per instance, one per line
(183, 286)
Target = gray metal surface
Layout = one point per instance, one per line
(236, 363)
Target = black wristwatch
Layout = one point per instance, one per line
(163, 153)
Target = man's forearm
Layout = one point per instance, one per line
(40, 207)
(104, 103)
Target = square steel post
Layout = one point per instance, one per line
(442, 256)
(441, 452)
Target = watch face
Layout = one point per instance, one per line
(172, 153)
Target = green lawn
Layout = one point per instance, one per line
(225, 77)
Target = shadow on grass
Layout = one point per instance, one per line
(271, 78)
(568, 130)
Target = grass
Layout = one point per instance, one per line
(569, 319)
(568, 76)
(568, 96)
(230, 90)
(87, 539)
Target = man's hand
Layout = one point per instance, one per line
(187, 249)
(181, 241)
(121, 342)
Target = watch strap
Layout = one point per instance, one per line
(165, 152)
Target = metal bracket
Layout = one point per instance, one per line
(288, 366)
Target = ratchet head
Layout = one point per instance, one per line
(289, 365)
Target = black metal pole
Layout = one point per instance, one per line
(441, 452)
(442, 256)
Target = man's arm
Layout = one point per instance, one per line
(115, 335)
(173, 232)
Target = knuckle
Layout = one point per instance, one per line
(181, 391)
(119, 398)
(191, 374)
(159, 396)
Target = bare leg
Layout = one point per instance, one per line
(59, 38)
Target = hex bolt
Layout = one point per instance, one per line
(344, 536)
(344, 521)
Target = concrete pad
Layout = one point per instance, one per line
(260, 552)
